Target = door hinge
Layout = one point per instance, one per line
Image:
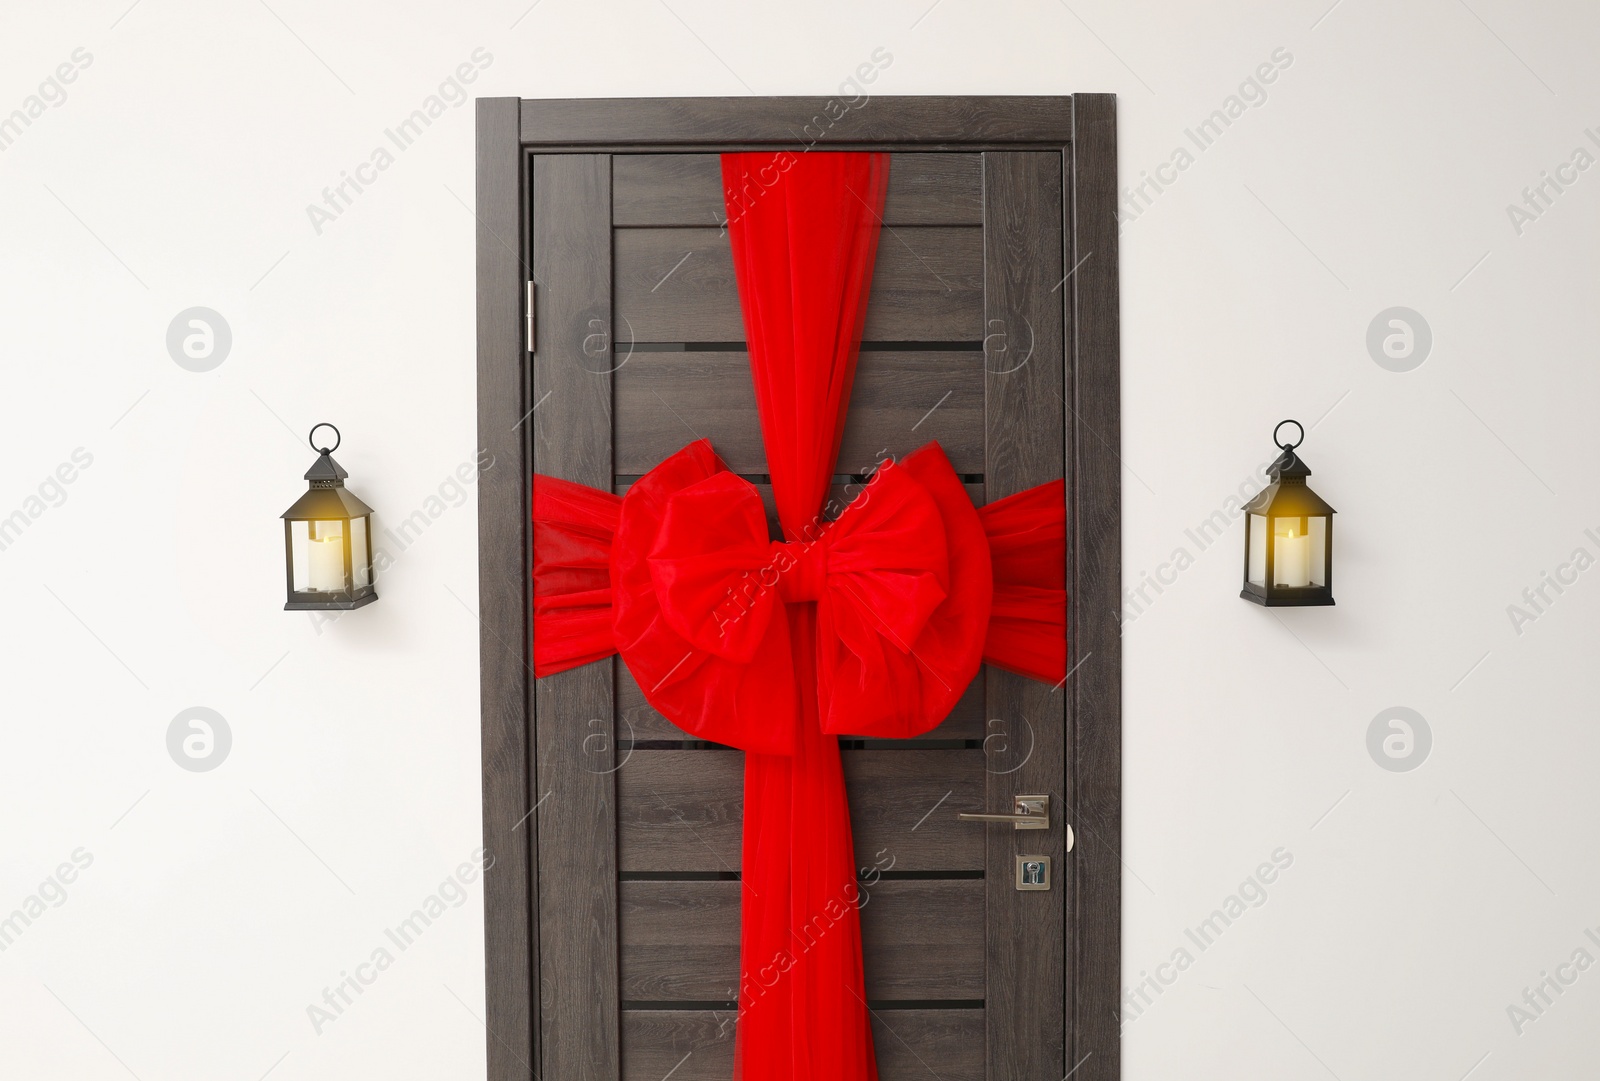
(529, 317)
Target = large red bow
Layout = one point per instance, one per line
(914, 589)
(901, 581)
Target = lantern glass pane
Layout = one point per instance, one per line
(317, 550)
(1317, 528)
(299, 555)
(1291, 553)
(1258, 550)
(360, 564)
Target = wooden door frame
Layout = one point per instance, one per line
(1083, 129)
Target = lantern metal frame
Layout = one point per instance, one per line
(1287, 496)
(327, 500)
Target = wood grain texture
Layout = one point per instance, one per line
(691, 1045)
(922, 940)
(687, 189)
(510, 953)
(683, 810)
(697, 1045)
(638, 720)
(1023, 252)
(573, 714)
(901, 401)
(1096, 538)
(908, 1043)
(677, 285)
(926, 123)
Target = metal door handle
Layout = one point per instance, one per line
(1032, 813)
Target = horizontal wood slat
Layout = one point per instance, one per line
(922, 940)
(697, 1045)
(838, 496)
(683, 810)
(687, 189)
(901, 401)
(637, 720)
(677, 285)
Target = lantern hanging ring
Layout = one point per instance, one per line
(338, 438)
(1275, 431)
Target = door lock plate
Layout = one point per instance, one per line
(1033, 872)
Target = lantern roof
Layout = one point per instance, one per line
(1287, 466)
(325, 468)
(328, 499)
(1288, 495)
(327, 504)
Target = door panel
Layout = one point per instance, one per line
(921, 940)
(686, 189)
(682, 810)
(912, 1045)
(901, 400)
(677, 285)
(638, 824)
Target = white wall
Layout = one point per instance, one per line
(219, 905)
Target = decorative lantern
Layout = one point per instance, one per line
(327, 539)
(1288, 540)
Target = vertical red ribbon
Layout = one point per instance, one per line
(804, 241)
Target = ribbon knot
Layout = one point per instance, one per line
(802, 568)
(881, 568)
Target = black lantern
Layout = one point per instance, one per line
(1288, 539)
(327, 539)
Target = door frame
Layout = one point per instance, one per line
(1083, 129)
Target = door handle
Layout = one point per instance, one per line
(1032, 813)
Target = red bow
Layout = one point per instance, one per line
(901, 580)
(914, 589)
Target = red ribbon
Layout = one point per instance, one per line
(868, 622)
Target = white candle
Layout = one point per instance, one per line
(326, 564)
(1292, 560)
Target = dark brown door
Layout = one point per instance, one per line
(622, 832)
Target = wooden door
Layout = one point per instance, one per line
(626, 833)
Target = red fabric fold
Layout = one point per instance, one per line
(1027, 541)
(893, 682)
(804, 243)
(746, 704)
(573, 530)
